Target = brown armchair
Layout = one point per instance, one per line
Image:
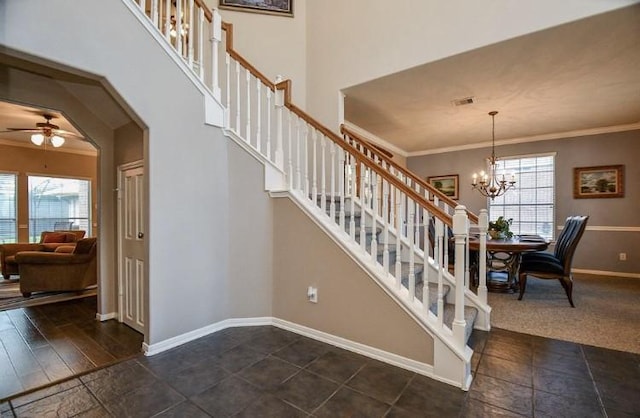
(58, 271)
(49, 241)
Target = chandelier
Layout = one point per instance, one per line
(492, 184)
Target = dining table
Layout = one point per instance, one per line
(503, 258)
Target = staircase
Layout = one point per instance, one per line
(376, 211)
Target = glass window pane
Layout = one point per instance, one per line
(58, 204)
(531, 204)
(8, 230)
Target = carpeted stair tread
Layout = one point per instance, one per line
(470, 314)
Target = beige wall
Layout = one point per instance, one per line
(598, 249)
(31, 161)
(128, 144)
(350, 304)
(276, 45)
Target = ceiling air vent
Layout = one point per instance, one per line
(463, 102)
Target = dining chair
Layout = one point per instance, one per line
(556, 265)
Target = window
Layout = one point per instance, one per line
(8, 230)
(58, 203)
(531, 203)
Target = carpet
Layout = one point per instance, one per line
(11, 298)
(607, 312)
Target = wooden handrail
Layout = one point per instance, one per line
(361, 157)
(346, 131)
(207, 13)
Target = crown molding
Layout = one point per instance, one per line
(374, 139)
(533, 138)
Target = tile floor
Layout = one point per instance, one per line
(268, 372)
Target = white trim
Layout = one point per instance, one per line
(376, 139)
(609, 228)
(533, 138)
(105, 317)
(607, 273)
(159, 347)
(359, 348)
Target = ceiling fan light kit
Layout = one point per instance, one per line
(46, 132)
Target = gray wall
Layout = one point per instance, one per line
(598, 249)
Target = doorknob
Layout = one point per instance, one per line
(140, 235)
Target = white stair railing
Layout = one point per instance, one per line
(382, 214)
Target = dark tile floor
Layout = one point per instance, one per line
(268, 372)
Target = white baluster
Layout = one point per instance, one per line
(178, 28)
(238, 98)
(412, 268)
(374, 216)
(298, 145)
(425, 269)
(314, 161)
(259, 112)
(248, 115)
(268, 154)
(398, 209)
(461, 233)
(215, 85)
(363, 209)
(290, 152)
(154, 12)
(227, 111)
(167, 20)
(439, 254)
(332, 206)
(323, 174)
(483, 225)
(189, 39)
(386, 220)
(352, 191)
(279, 142)
(341, 188)
(306, 159)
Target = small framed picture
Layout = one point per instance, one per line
(598, 182)
(272, 7)
(448, 185)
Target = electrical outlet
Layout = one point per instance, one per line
(622, 256)
(312, 294)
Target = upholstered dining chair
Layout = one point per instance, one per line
(545, 265)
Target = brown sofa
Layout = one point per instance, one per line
(49, 241)
(58, 271)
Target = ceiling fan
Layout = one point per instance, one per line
(46, 131)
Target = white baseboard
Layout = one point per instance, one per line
(153, 349)
(105, 317)
(607, 273)
(365, 350)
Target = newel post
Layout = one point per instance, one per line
(483, 226)
(461, 233)
(279, 103)
(216, 38)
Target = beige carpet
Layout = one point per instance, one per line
(607, 312)
(11, 298)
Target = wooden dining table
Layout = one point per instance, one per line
(503, 259)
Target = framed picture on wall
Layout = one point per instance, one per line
(448, 185)
(598, 182)
(272, 7)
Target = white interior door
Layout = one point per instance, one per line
(131, 291)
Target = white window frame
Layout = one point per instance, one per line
(15, 202)
(492, 203)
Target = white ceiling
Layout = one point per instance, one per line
(578, 78)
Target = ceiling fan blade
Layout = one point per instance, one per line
(62, 132)
(27, 130)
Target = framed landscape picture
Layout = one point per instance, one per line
(448, 185)
(273, 7)
(598, 182)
